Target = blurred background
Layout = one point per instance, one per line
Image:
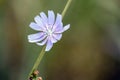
(89, 50)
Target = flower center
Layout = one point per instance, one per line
(49, 30)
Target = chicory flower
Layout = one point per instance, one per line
(49, 29)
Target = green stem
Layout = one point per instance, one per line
(66, 7)
(37, 61)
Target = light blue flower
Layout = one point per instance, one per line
(49, 29)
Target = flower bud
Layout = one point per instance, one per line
(36, 72)
(39, 78)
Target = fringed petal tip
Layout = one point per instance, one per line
(51, 17)
(66, 27)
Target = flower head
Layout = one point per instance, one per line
(49, 29)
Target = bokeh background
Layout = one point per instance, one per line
(89, 50)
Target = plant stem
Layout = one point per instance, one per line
(66, 7)
(37, 61)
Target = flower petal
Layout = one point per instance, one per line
(51, 17)
(66, 27)
(59, 28)
(49, 45)
(35, 26)
(57, 36)
(58, 21)
(43, 42)
(36, 37)
(38, 20)
(44, 18)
